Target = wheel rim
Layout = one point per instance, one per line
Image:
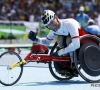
(56, 74)
(86, 77)
(92, 58)
(9, 77)
(83, 74)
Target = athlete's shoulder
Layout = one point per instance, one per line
(67, 20)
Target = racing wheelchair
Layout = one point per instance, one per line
(86, 62)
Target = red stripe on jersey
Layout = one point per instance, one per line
(75, 37)
(49, 38)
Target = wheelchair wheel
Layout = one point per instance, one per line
(8, 76)
(52, 68)
(56, 75)
(89, 60)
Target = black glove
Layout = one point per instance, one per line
(58, 53)
(32, 35)
(55, 54)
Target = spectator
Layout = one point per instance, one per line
(82, 17)
(63, 8)
(31, 17)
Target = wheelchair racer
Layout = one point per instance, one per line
(67, 30)
(92, 28)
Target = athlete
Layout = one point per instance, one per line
(82, 17)
(67, 30)
(92, 28)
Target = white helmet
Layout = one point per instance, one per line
(47, 16)
(90, 22)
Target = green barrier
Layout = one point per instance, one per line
(42, 31)
(11, 28)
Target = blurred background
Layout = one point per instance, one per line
(18, 17)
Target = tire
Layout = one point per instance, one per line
(55, 74)
(84, 72)
(8, 76)
(52, 69)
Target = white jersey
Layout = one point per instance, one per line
(68, 27)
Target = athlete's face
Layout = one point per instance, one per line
(54, 24)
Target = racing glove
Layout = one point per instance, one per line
(32, 36)
(58, 53)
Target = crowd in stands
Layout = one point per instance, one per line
(30, 10)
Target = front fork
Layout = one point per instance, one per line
(22, 62)
(17, 64)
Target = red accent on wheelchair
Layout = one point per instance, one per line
(86, 62)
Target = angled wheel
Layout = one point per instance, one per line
(8, 76)
(89, 59)
(56, 75)
(53, 70)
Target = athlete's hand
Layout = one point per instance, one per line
(32, 36)
(58, 53)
